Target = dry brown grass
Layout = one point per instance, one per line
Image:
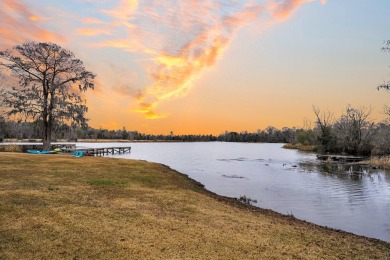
(380, 162)
(11, 148)
(301, 147)
(56, 206)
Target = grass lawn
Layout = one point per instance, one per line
(56, 206)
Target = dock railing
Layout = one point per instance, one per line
(99, 151)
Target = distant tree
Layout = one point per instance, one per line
(125, 134)
(306, 137)
(50, 80)
(272, 133)
(324, 126)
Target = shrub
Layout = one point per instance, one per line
(307, 137)
(247, 200)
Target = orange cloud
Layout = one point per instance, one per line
(283, 10)
(36, 18)
(91, 20)
(124, 12)
(182, 38)
(93, 31)
(18, 23)
(147, 109)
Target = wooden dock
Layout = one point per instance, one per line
(340, 158)
(100, 151)
(71, 148)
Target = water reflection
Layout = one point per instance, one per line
(366, 191)
(359, 181)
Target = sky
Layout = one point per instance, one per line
(206, 67)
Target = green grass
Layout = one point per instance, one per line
(56, 206)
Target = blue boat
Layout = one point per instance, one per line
(39, 152)
(78, 154)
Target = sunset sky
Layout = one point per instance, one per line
(203, 67)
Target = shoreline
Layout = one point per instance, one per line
(236, 203)
(107, 201)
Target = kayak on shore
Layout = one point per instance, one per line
(40, 152)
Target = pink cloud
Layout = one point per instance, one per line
(284, 9)
(93, 31)
(19, 24)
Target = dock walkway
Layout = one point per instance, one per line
(99, 151)
(71, 148)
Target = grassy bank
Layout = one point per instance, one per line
(55, 206)
(380, 162)
(301, 147)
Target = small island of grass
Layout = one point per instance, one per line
(62, 207)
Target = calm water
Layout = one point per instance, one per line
(287, 181)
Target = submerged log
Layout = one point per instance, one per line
(340, 158)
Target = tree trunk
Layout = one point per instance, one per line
(46, 145)
(46, 121)
(47, 136)
(46, 133)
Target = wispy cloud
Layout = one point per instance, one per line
(91, 20)
(284, 9)
(93, 31)
(19, 23)
(182, 38)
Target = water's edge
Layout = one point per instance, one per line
(236, 203)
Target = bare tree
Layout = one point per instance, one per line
(354, 130)
(307, 124)
(386, 84)
(50, 82)
(381, 140)
(324, 123)
(386, 111)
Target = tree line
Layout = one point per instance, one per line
(351, 133)
(11, 129)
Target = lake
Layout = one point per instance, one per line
(353, 199)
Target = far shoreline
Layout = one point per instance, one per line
(376, 162)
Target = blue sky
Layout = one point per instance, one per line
(210, 66)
